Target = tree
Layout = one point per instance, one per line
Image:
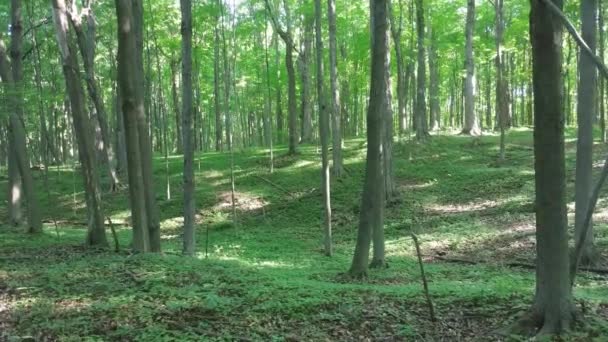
(421, 122)
(586, 110)
(188, 129)
(11, 72)
(552, 309)
(396, 32)
(305, 54)
(336, 131)
(287, 37)
(82, 126)
(371, 214)
(502, 95)
(144, 214)
(471, 123)
(323, 133)
(86, 45)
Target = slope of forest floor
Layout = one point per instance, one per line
(266, 279)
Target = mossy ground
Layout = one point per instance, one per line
(266, 279)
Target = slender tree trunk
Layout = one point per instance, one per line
(396, 31)
(371, 219)
(86, 45)
(305, 54)
(552, 308)
(188, 130)
(586, 110)
(132, 108)
(216, 90)
(336, 130)
(323, 134)
(82, 127)
(421, 122)
(19, 164)
(471, 123)
(143, 127)
(176, 111)
(502, 101)
(434, 83)
(602, 88)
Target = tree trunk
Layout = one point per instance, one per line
(19, 164)
(396, 31)
(216, 89)
(552, 308)
(305, 54)
(336, 131)
(178, 115)
(586, 109)
(471, 123)
(82, 127)
(132, 108)
(502, 101)
(602, 88)
(145, 144)
(86, 44)
(434, 83)
(188, 130)
(371, 217)
(421, 122)
(324, 134)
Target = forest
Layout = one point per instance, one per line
(303, 170)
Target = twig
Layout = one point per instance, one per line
(116, 245)
(275, 185)
(429, 302)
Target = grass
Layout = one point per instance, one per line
(266, 278)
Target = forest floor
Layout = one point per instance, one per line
(266, 278)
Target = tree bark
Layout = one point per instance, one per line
(471, 123)
(132, 108)
(96, 235)
(188, 129)
(552, 308)
(421, 121)
(586, 110)
(20, 175)
(86, 45)
(371, 217)
(323, 134)
(216, 90)
(305, 53)
(502, 100)
(336, 131)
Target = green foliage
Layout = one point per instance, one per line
(266, 278)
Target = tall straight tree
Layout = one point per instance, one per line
(396, 32)
(502, 96)
(305, 55)
(422, 130)
(471, 122)
(144, 214)
(286, 35)
(323, 133)
(86, 45)
(552, 310)
(96, 235)
(143, 125)
(371, 217)
(11, 72)
(586, 111)
(188, 129)
(336, 131)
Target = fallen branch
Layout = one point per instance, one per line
(429, 302)
(513, 264)
(275, 185)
